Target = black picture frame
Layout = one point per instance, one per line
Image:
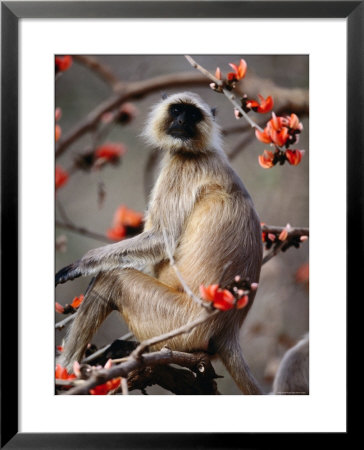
(11, 12)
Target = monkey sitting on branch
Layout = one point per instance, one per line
(201, 204)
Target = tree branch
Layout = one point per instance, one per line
(292, 232)
(133, 90)
(176, 380)
(162, 357)
(294, 237)
(101, 70)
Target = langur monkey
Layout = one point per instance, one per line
(202, 205)
(293, 372)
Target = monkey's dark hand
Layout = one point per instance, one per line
(68, 273)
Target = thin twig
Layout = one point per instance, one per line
(62, 212)
(120, 360)
(292, 232)
(228, 94)
(83, 231)
(204, 71)
(275, 250)
(231, 97)
(64, 322)
(124, 386)
(204, 317)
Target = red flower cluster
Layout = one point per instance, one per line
(103, 389)
(63, 63)
(126, 113)
(280, 131)
(58, 129)
(232, 77)
(62, 373)
(61, 177)
(109, 152)
(123, 218)
(76, 302)
(222, 299)
(281, 238)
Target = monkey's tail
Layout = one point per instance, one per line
(94, 309)
(232, 357)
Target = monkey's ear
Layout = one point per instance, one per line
(164, 95)
(214, 111)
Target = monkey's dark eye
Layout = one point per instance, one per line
(176, 109)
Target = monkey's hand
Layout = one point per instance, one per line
(146, 248)
(68, 273)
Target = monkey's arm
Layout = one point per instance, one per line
(146, 248)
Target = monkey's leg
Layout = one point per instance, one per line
(96, 306)
(149, 307)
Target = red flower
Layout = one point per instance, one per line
(103, 389)
(58, 129)
(279, 137)
(294, 156)
(239, 71)
(61, 177)
(110, 151)
(208, 292)
(221, 298)
(127, 113)
(116, 233)
(266, 159)
(264, 106)
(242, 302)
(302, 274)
(294, 123)
(218, 73)
(59, 308)
(263, 136)
(58, 114)
(276, 122)
(283, 235)
(62, 373)
(127, 217)
(77, 301)
(63, 63)
(58, 132)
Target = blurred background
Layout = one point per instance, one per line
(280, 314)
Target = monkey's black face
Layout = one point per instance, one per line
(184, 118)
